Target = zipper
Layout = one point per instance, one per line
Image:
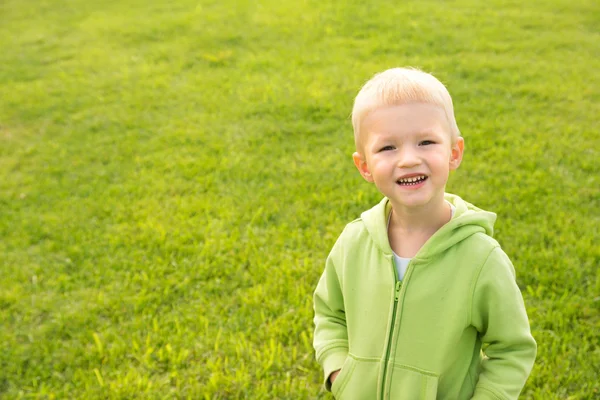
(391, 334)
(397, 291)
(398, 287)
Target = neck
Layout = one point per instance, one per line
(426, 219)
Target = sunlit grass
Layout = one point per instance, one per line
(172, 178)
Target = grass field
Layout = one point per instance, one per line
(173, 175)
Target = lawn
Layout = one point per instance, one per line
(173, 175)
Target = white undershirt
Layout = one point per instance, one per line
(402, 262)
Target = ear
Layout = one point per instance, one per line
(361, 165)
(456, 154)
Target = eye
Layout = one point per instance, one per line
(387, 148)
(426, 142)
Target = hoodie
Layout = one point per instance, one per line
(454, 328)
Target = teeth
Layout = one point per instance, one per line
(412, 180)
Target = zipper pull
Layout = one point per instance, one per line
(398, 286)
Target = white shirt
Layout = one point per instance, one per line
(402, 262)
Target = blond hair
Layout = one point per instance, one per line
(399, 86)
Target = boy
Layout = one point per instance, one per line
(417, 301)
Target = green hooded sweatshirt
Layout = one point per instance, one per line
(454, 328)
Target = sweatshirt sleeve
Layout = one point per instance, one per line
(498, 314)
(331, 335)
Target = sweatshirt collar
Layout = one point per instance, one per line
(467, 220)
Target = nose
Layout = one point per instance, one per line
(408, 157)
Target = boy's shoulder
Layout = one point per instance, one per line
(353, 232)
(361, 234)
(370, 227)
(483, 240)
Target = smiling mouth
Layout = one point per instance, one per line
(414, 180)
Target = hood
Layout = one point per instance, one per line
(467, 221)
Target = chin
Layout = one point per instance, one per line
(415, 201)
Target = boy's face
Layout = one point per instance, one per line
(407, 151)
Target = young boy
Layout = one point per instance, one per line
(417, 300)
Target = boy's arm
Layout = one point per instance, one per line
(499, 315)
(331, 335)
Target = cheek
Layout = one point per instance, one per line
(443, 157)
(441, 163)
(383, 165)
(375, 163)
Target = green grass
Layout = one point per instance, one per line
(172, 178)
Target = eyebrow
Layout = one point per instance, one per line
(428, 132)
(384, 136)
